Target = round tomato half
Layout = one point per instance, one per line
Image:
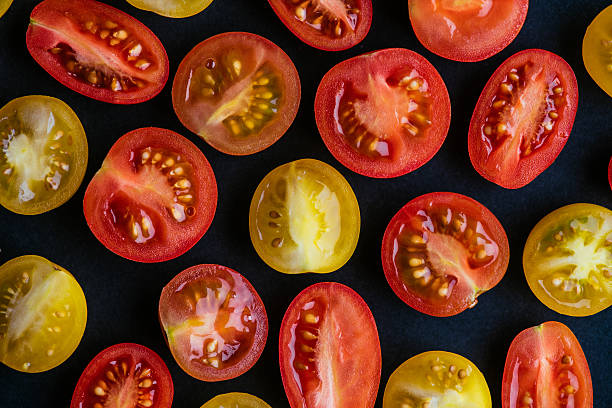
(332, 25)
(235, 400)
(42, 314)
(383, 114)
(597, 50)
(214, 322)
(523, 118)
(467, 30)
(443, 250)
(437, 379)
(329, 350)
(238, 91)
(97, 50)
(568, 259)
(44, 154)
(124, 375)
(546, 368)
(172, 8)
(4, 6)
(304, 217)
(154, 197)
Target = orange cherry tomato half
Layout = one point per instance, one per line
(236, 400)
(597, 50)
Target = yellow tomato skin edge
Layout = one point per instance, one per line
(4, 6)
(237, 400)
(593, 50)
(198, 7)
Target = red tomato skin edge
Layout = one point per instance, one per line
(367, 10)
(47, 62)
(546, 153)
(89, 374)
(610, 173)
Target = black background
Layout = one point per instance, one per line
(123, 295)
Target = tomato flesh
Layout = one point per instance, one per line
(235, 400)
(597, 50)
(546, 368)
(172, 8)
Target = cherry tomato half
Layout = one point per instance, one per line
(568, 259)
(437, 379)
(523, 118)
(235, 400)
(214, 322)
(97, 50)
(597, 50)
(42, 314)
(443, 250)
(44, 154)
(172, 8)
(238, 91)
(124, 375)
(546, 368)
(383, 114)
(304, 217)
(4, 6)
(329, 350)
(154, 197)
(467, 30)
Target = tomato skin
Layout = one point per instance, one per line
(553, 347)
(4, 6)
(196, 7)
(236, 400)
(596, 58)
(610, 173)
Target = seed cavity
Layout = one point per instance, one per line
(117, 376)
(316, 15)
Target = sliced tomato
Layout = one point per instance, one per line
(330, 25)
(236, 400)
(568, 259)
(523, 118)
(467, 30)
(443, 250)
(124, 375)
(4, 6)
(597, 50)
(329, 350)
(214, 322)
(44, 154)
(97, 50)
(42, 314)
(383, 114)
(238, 91)
(546, 368)
(172, 8)
(154, 197)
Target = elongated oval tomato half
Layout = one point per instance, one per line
(546, 368)
(329, 350)
(467, 30)
(330, 25)
(383, 114)
(214, 322)
(443, 250)
(523, 118)
(238, 91)
(97, 50)
(124, 375)
(154, 197)
(597, 50)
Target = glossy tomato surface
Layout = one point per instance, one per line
(42, 314)
(443, 250)
(172, 8)
(97, 50)
(329, 350)
(43, 156)
(154, 197)
(238, 91)
(568, 259)
(546, 368)
(4, 6)
(304, 217)
(214, 322)
(597, 50)
(437, 379)
(383, 114)
(523, 118)
(467, 30)
(331, 25)
(235, 400)
(124, 375)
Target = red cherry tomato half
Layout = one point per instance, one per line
(331, 25)
(443, 250)
(546, 368)
(214, 322)
(523, 118)
(383, 114)
(124, 375)
(97, 50)
(467, 30)
(154, 197)
(329, 350)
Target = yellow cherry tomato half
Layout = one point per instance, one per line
(437, 379)
(172, 8)
(304, 217)
(42, 314)
(236, 400)
(568, 259)
(43, 156)
(4, 6)
(597, 50)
